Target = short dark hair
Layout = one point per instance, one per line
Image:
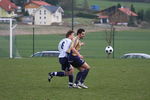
(69, 33)
(79, 31)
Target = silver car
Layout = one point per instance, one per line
(46, 54)
(136, 55)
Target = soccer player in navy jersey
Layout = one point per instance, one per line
(76, 59)
(68, 70)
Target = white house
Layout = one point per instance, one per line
(46, 15)
(33, 5)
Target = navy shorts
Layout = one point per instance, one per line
(65, 65)
(76, 61)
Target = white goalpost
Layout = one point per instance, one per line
(11, 27)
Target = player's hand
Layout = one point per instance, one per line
(81, 56)
(82, 43)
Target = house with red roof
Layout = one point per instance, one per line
(33, 5)
(48, 15)
(7, 8)
(116, 15)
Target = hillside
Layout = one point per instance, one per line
(132, 0)
(107, 3)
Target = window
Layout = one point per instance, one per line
(57, 17)
(44, 12)
(44, 17)
(40, 12)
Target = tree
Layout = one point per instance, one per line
(132, 8)
(66, 4)
(19, 2)
(141, 15)
(131, 21)
(118, 5)
(26, 13)
(53, 2)
(85, 5)
(147, 15)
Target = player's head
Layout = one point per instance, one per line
(81, 33)
(70, 34)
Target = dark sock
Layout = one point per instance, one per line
(85, 73)
(70, 78)
(61, 74)
(78, 77)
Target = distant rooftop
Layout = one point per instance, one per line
(40, 3)
(127, 11)
(7, 5)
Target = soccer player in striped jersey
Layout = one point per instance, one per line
(63, 46)
(76, 59)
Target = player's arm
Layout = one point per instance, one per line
(72, 47)
(82, 43)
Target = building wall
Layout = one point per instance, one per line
(57, 16)
(43, 17)
(4, 13)
(119, 17)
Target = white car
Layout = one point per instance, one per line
(136, 55)
(46, 54)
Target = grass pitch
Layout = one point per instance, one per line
(108, 79)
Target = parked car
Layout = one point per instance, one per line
(136, 55)
(46, 54)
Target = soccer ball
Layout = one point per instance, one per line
(109, 50)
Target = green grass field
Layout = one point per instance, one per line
(106, 3)
(108, 79)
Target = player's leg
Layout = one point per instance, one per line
(69, 73)
(85, 71)
(63, 62)
(79, 75)
(52, 74)
(82, 74)
(77, 63)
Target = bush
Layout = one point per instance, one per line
(147, 15)
(85, 15)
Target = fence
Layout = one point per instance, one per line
(28, 39)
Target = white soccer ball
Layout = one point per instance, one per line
(109, 50)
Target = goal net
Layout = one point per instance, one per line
(7, 38)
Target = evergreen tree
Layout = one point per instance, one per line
(132, 8)
(85, 4)
(118, 5)
(19, 2)
(66, 4)
(141, 15)
(147, 15)
(26, 13)
(53, 2)
(131, 21)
